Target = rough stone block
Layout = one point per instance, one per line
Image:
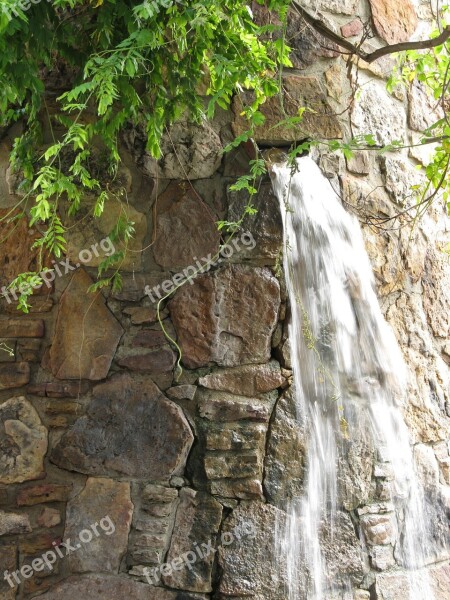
(215, 318)
(106, 503)
(197, 522)
(131, 429)
(21, 327)
(14, 375)
(25, 441)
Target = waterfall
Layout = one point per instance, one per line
(349, 377)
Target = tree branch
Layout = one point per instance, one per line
(370, 57)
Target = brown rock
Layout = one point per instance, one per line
(158, 493)
(197, 522)
(333, 80)
(14, 375)
(307, 45)
(183, 216)
(55, 408)
(299, 91)
(236, 436)
(24, 441)
(38, 543)
(49, 517)
(21, 327)
(394, 21)
(249, 380)
(378, 529)
(235, 466)
(182, 392)
(215, 317)
(130, 429)
(39, 304)
(107, 504)
(141, 314)
(47, 492)
(108, 587)
(58, 421)
(352, 28)
(86, 333)
(57, 389)
(17, 239)
(7, 350)
(150, 338)
(243, 489)
(29, 349)
(153, 362)
(133, 286)
(221, 406)
(13, 523)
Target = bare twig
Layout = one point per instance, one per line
(370, 57)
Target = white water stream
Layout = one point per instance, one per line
(349, 377)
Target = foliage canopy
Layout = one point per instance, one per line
(147, 64)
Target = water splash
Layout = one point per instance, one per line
(349, 376)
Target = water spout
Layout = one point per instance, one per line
(349, 378)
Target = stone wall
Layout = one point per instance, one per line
(99, 427)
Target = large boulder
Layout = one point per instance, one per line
(130, 429)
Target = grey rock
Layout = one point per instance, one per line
(197, 523)
(109, 587)
(14, 523)
(285, 458)
(130, 428)
(249, 380)
(107, 504)
(189, 151)
(377, 113)
(265, 227)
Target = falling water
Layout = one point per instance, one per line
(349, 376)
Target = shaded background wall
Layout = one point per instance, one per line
(93, 422)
